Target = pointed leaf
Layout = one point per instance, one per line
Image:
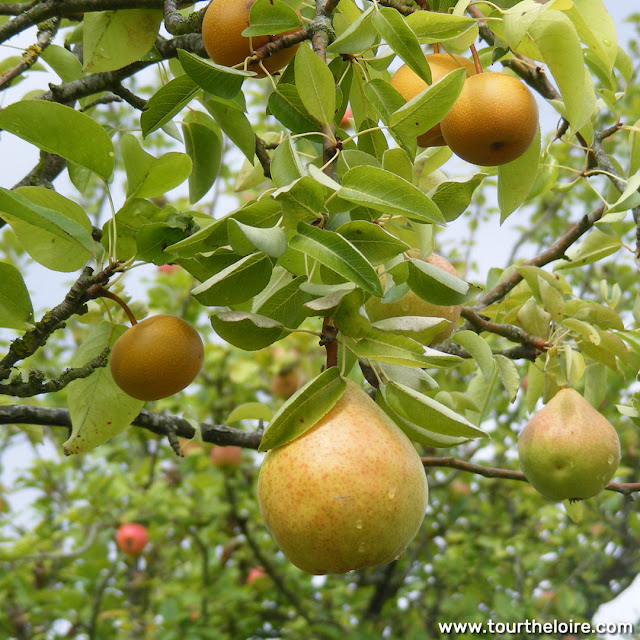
(269, 18)
(167, 102)
(16, 310)
(436, 285)
(376, 244)
(220, 81)
(384, 191)
(315, 85)
(304, 409)
(247, 331)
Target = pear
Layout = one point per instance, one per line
(568, 450)
(349, 493)
(409, 84)
(411, 305)
(493, 121)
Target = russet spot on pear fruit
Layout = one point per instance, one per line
(222, 27)
(411, 305)
(409, 84)
(493, 121)
(156, 357)
(349, 493)
(568, 450)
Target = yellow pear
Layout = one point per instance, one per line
(493, 121)
(411, 305)
(222, 27)
(568, 450)
(156, 357)
(349, 493)
(409, 84)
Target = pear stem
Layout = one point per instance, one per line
(476, 58)
(436, 47)
(112, 296)
(329, 342)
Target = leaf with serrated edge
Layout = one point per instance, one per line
(99, 409)
(428, 413)
(304, 409)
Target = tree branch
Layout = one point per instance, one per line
(510, 474)
(154, 422)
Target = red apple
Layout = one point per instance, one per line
(226, 457)
(132, 538)
(256, 573)
(344, 123)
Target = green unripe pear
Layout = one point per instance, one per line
(349, 493)
(157, 357)
(568, 450)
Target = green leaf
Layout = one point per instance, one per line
(601, 315)
(479, 349)
(285, 303)
(113, 39)
(629, 199)
(399, 350)
(315, 85)
(399, 36)
(556, 38)
(203, 144)
(375, 244)
(272, 241)
(99, 409)
(509, 375)
(533, 275)
(286, 166)
(384, 191)
(237, 283)
(55, 231)
(247, 331)
(250, 411)
(552, 300)
(431, 27)
(413, 431)
(427, 413)
(62, 130)
(270, 17)
(304, 409)
(338, 254)
(453, 197)
(516, 178)
(220, 81)
(63, 62)
(235, 124)
(422, 329)
(286, 106)
(358, 36)
(596, 246)
(167, 102)
(149, 177)
(16, 310)
(430, 106)
(436, 285)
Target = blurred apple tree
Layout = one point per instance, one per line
(273, 243)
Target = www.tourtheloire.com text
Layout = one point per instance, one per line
(535, 627)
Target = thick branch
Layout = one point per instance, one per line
(510, 474)
(509, 331)
(176, 24)
(556, 251)
(154, 422)
(44, 173)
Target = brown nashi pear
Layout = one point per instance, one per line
(156, 357)
(493, 121)
(568, 450)
(222, 27)
(412, 305)
(409, 84)
(349, 493)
